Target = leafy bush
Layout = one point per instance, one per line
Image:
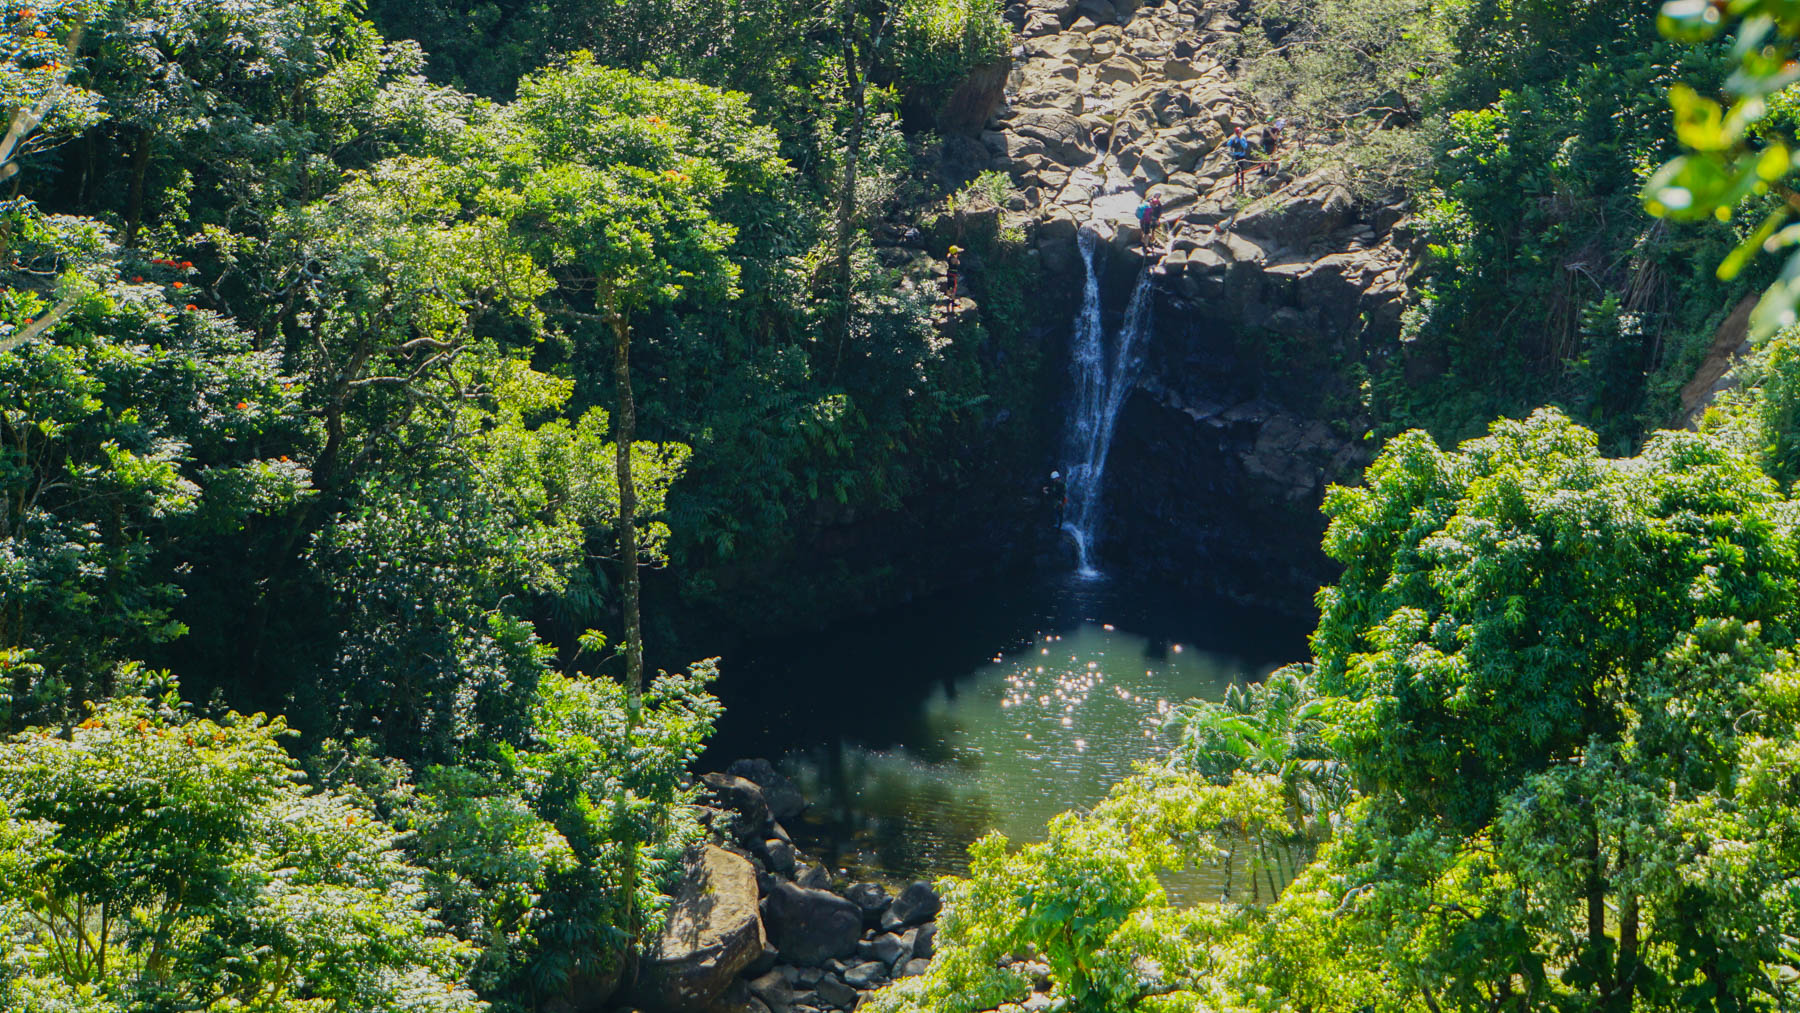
(157, 861)
(937, 42)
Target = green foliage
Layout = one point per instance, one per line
(938, 42)
(525, 854)
(156, 861)
(1497, 599)
(1088, 901)
(1736, 151)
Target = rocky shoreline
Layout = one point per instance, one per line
(756, 926)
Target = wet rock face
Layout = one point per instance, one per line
(1247, 405)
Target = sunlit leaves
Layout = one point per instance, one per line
(158, 861)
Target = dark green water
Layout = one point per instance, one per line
(995, 708)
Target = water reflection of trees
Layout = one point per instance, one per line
(888, 813)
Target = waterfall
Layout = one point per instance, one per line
(1101, 387)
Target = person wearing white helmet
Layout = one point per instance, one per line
(1057, 492)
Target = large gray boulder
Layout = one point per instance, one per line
(811, 926)
(713, 932)
(782, 795)
(917, 903)
(741, 796)
(872, 898)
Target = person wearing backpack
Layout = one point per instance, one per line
(1149, 216)
(1238, 147)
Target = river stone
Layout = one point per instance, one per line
(780, 856)
(783, 795)
(926, 944)
(913, 968)
(837, 993)
(815, 878)
(866, 976)
(773, 990)
(811, 926)
(917, 903)
(871, 898)
(889, 948)
(712, 933)
(741, 796)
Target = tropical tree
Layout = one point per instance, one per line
(158, 861)
(611, 181)
(1275, 728)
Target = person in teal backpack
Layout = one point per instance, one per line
(1149, 215)
(1238, 147)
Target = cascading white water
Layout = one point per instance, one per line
(1101, 385)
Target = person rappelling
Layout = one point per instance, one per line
(1057, 492)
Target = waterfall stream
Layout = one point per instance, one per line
(1101, 386)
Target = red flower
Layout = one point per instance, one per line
(187, 265)
(138, 278)
(190, 307)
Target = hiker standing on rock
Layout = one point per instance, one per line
(1238, 147)
(952, 275)
(1271, 141)
(1149, 217)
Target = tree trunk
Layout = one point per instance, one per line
(846, 214)
(624, 433)
(857, 68)
(134, 209)
(1597, 941)
(1625, 987)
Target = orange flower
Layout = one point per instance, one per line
(243, 405)
(190, 307)
(187, 265)
(40, 33)
(181, 284)
(284, 459)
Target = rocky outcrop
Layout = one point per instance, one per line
(1248, 402)
(713, 932)
(756, 927)
(1731, 342)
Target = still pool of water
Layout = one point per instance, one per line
(994, 708)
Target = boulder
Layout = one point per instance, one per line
(917, 903)
(836, 992)
(713, 932)
(811, 926)
(1054, 132)
(1100, 12)
(736, 999)
(814, 878)
(913, 968)
(974, 100)
(773, 989)
(889, 947)
(926, 944)
(743, 797)
(780, 856)
(871, 898)
(783, 795)
(867, 975)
